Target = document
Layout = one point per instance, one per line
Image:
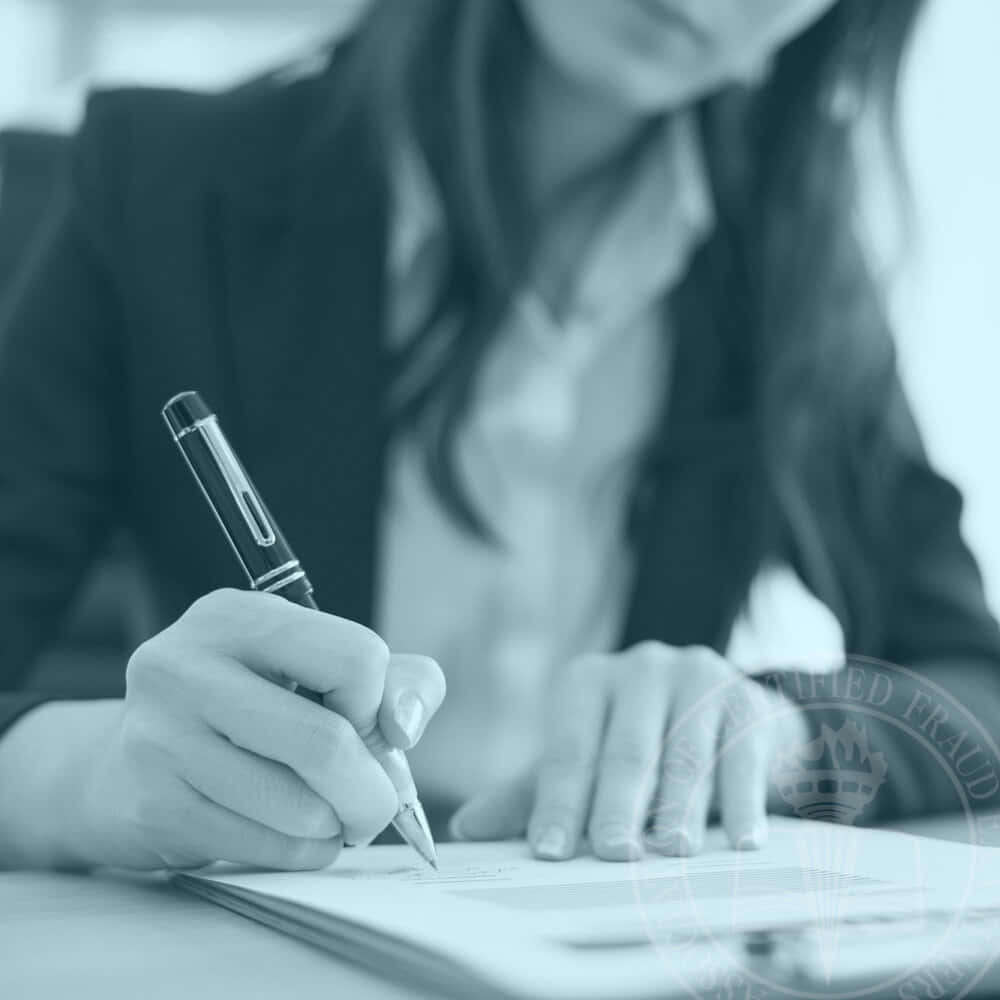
(823, 906)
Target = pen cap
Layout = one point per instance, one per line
(256, 540)
(185, 411)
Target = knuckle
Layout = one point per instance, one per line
(146, 661)
(707, 660)
(227, 601)
(651, 650)
(647, 671)
(208, 609)
(629, 756)
(157, 670)
(650, 663)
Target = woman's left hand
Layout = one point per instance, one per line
(649, 738)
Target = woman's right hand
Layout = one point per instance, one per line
(211, 756)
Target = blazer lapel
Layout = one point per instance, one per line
(304, 310)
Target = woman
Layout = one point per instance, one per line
(543, 328)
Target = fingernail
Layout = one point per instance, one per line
(754, 840)
(409, 715)
(679, 843)
(553, 845)
(619, 839)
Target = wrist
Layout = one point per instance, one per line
(48, 762)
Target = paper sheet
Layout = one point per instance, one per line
(587, 928)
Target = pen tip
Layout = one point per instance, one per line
(412, 825)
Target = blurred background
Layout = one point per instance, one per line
(946, 296)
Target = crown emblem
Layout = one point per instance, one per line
(833, 777)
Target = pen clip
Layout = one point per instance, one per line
(244, 495)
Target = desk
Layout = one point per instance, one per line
(78, 937)
(113, 937)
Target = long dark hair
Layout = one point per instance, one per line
(788, 275)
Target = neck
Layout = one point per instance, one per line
(569, 133)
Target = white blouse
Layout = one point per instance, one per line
(549, 454)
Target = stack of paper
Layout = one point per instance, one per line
(823, 909)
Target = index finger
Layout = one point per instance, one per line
(566, 779)
(340, 659)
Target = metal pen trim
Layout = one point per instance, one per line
(184, 431)
(284, 582)
(268, 577)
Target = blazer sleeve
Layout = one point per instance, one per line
(934, 714)
(60, 381)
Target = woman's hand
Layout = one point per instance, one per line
(211, 756)
(649, 737)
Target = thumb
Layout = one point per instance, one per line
(414, 690)
(498, 814)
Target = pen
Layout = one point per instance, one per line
(272, 568)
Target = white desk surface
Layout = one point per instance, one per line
(112, 937)
(78, 937)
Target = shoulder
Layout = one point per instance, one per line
(151, 143)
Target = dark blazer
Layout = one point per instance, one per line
(236, 244)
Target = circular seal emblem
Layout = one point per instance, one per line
(827, 908)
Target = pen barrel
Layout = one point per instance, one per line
(262, 550)
(265, 564)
